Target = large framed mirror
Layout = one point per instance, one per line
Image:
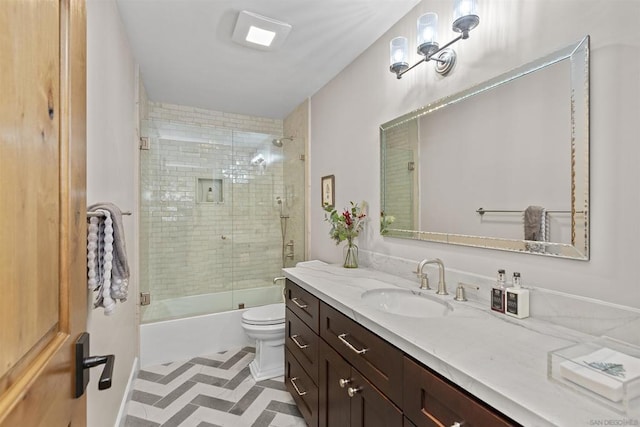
(502, 165)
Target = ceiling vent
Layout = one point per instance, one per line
(259, 32)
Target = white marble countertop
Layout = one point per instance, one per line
(499, 359)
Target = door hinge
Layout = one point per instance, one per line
(145, 298)
(145, 143)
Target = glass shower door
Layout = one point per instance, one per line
(186, 222)
(257, 237)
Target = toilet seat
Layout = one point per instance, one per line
(272, 314)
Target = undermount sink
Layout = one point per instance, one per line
(406, 302)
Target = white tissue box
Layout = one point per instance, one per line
(605, 369)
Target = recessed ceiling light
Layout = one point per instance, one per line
(259, 32)
(260, 36)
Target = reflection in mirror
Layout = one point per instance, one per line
(502, 165)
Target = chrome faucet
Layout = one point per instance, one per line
(424, 280)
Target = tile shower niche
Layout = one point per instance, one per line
(209, 190)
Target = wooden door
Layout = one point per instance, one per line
(43, 297)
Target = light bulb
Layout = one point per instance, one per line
(398, 55)
(427, 33)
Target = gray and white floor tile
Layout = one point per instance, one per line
(213, 391)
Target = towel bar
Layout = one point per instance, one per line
(90, 214)
(483, 211)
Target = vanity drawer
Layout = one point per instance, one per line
(379, 361)
(302, 342)
(302, 388)
(430, 400)
(303, 304)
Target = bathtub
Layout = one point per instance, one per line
(198, 325)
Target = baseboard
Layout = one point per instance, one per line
(126, 396)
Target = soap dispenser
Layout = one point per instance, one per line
(517, 299)
(498, 293)
(210, 195)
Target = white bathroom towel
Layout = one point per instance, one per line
(107, 266)
(535, 227)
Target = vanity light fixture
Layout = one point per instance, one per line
(465, 19)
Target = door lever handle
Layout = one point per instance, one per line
(84, 362)
(108, 361)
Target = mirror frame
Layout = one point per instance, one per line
(578, 55)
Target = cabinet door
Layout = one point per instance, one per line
(302, 342)
(408, 423)
(303, 304)
(430, 401)
(333, 400)
(374, 357)
(369, 407)
(348, 399)
(302, 388)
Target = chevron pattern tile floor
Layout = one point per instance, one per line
(217, 390)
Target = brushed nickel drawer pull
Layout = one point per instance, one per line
(456, 424)
(351, 391)
(342, 337)
(343, 382)
(293, 383)
(300, 346)
(295, 301)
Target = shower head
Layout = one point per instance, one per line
(278, 142)
(258, 160)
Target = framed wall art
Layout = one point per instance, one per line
(328, 190)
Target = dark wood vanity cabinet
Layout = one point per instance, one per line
(429, 400)
(302, 388)
(373, 357)
(348, 399)
(302, 304)
(301, 350)
(341, 374)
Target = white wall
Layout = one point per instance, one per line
(112, 165)
(346, 113)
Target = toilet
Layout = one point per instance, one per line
(266, 325)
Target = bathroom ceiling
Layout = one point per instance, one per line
(187, 57)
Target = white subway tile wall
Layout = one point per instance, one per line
(195, 246)
(399, 179)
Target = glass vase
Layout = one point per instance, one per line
(350, 255)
